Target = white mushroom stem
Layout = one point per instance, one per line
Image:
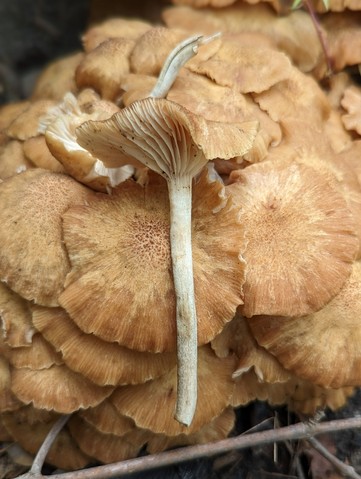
(177, 58)
(180, 198)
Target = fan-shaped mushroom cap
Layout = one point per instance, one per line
(12, 159)
(130, 229)
(106, 419)
(330, 338)
(37, 355)
(33, 260)
(105, 66)
(113, 28)
(56, 389)
(26, 124)
(351, 102)
(64, 452)
(237, 338)
(215, 387)
(247, 68)
(101, 362)
(10, 111)
(106, 448)
(15, 315)
(216, 430)
(301, 240)
(36, 150)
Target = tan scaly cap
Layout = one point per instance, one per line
(33, 260)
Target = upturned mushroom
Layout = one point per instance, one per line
(176, 144)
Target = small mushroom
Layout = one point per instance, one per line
(176, 144)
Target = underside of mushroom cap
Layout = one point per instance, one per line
(301, 239)
(33, 260)
(330, 337)
(166, 137)
(116, 241)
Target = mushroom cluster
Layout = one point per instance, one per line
(180, 233)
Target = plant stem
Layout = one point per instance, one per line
(180, 198)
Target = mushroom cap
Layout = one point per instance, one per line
(351, 102)
(330, 337)
(106, 419)
(64, 452)
(17, 329)
(165, 137)
(37, 355)
(26, 124)
(104, 67)
(57, 78)
(113, 28)
(33, 260)
(56, 389)
(12, 159)
(116, 241)
(36, 150)
(293, 33)
(215, 386)
(106, 448)
(237, 338)
(59, 127)
(101, 362)
(216, 430)
(301, 240)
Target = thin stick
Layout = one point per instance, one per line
(146, 463)
(345, 469)
(320, 35)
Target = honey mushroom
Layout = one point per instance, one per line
(176, 144)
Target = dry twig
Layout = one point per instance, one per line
(289, 433)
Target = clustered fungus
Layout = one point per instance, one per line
(180, 231)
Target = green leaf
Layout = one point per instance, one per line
(298, 4)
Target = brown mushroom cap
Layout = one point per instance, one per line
(237, 338)
(106, 448)
(15, 315)
(56, 389)
(101, 362)
(37, 355)
(33, 260)
(106, 419)
(216, 430)
(64, 452)
(329, 338)
(104, 67)
(12, 159)
(301, 240)
(57, 78)
(26, 124)
(36, 150)
(130, 230)
(113, 28)
(215, 387)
